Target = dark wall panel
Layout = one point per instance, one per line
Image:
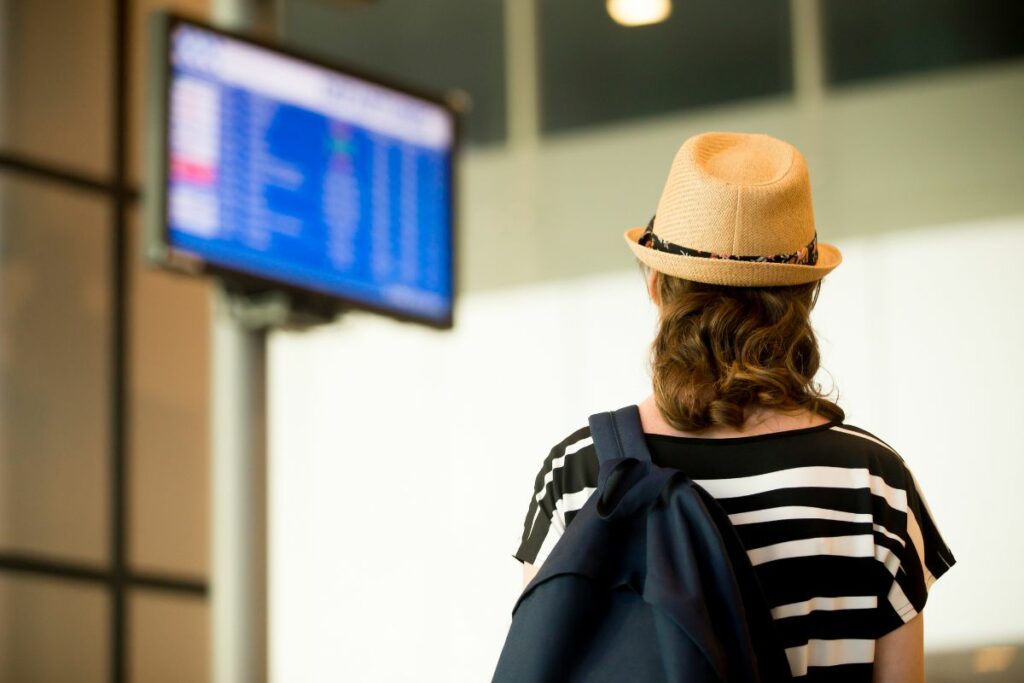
(867, 39)
(437, 45)
(594, 70)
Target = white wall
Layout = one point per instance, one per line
(403, 459)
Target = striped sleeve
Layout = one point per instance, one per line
(923, 558)
(543, 523)
(545, 517)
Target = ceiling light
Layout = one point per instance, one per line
(639, 12)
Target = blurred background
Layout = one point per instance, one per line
(401, 459)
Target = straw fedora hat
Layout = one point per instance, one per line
(735, 210)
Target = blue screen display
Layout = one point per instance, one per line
(308, 176)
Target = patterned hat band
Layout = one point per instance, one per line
(805, 256)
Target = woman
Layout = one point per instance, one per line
(837, 529)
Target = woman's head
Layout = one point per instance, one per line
(722, 352)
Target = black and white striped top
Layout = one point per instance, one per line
(833, 521)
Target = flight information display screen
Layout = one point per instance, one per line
(308, 176)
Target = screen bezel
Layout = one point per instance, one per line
(157, 246)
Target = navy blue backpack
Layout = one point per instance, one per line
(648, 584)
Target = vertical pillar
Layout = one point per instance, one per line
(520, 234)
(809, 81)
(238, 584)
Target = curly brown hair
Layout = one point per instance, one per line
(722, 351)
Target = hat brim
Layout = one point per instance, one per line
(719, 271)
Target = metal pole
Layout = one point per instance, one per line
(238, 586)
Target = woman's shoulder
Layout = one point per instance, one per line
(864, 435)
(837, 443)
(866, 447)
(840, 431)
(573, 451)
(570, 466)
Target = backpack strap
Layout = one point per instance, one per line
(627, 481)
(619, 434)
